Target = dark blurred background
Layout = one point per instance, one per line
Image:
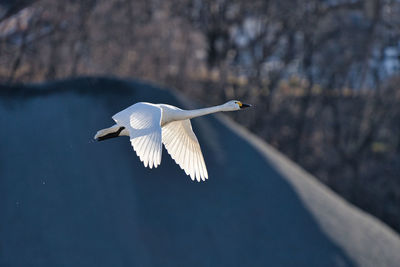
(323, 75)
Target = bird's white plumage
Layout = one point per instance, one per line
(151, 125)
(143, 122)
(183, 146)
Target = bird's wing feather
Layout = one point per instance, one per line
(143, 121)
(183, 146)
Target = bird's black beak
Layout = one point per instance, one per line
(245, 106)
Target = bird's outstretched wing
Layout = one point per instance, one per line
(143, 121)
(183, 146)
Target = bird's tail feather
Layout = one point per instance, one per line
(108, 133)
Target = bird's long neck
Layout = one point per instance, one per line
(189, 114)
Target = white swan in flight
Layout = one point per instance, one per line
(149, 125)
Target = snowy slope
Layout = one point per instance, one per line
(66, 200)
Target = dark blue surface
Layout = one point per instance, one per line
(66, 200)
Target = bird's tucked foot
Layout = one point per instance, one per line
(108, 133)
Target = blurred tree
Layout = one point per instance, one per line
(10, 7)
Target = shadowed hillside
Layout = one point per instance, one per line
(66, 200)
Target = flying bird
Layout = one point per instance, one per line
(150, 125)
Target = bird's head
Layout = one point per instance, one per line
(235, 105)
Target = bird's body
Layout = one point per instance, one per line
(151, 125)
